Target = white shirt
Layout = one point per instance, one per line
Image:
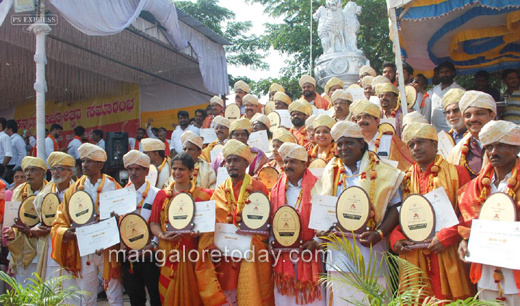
(19, 151)
(92, 189)
(101, 144)
(293, 192)
(74, 144)
(176, 142)
(131, 144)
(385, 143)
(6, 147)
(438, 117)
(146, 209)
(49, 148)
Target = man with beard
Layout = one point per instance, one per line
(391, 105)
(501, 140)
(390, 72)
(386, 145)
(512, 94)
(250, 103)
(300, 110)
(309, 94)
(241, 89)
(217, 109)
(407, 74)
(200, 115)
(477, 109)
(341, 99)
(154, 148)
(222, 130)
(184, 125)
(423, 102)
(481, 83)
(134, 143)
(203, 174)
(450, 101)
(446, 76)
(281, 100)
(273, 89)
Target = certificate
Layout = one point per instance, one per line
(230, 243)
(222, 175)
(121, 201)
(445, 144)
(101, 235)
(444, 214)
(208, 135)
(323, 212)
(285, 118)
(204, 218)
(357, 94)
(259, 140)
(10, 213)
(495, 243)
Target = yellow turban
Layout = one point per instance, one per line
(500, 131)
(283, 135)
(189, 136)
(30, 161)
(367, 81)
(367, 69)
(292, 150)
(307, 79)
(387, 87)
(242, 86)
(241, 124)
(324, 120)
(301, 106)
(218, 100)
(261, 118)
(414, 117)
(219, 120)
(60, 158)
(380, 80)
(235, 147)
(310, 121)
(135, 157)
(341, 94)
(473, 98)
(366, 107)
(92, 152)
(152, 144)
(419, 130)
(249, 98)
(333, 82)
(346, 129)
(276, 87)
(452, 96)
(281, 96)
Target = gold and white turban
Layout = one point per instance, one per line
(474, 98)
(135, 157)
(419, 130)
(152, 144)
(324, 120)
(292, 150)
(218, 100)
(189, 136)
(249, 98)
(345, 129)
(452, 96)
(366, 107)
(283, 135)
(341, 94)
(219, 120)
(30, 161)
(367, 69)
(93, 152)
(387, 87)
(500, 131)
(235, 147)
(307, 79)
(310, 121)
(242, 86)
(333, 82)
(367, 81)
(301, 106)
(62, 159)
(414, 117)
(241, 124)
(261, 118)
(276, 87)
(281, 96)
(380, 80)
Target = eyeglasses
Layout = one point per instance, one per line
(454, 111)
(58, 169)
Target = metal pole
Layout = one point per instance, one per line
(310, 44)
(398, 60)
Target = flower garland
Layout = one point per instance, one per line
(377, 142)
(195, 174)
(463, 162)
(162, 165)
(331, 152)
(235, 207)
(392, 114)
(144, 195)
(298, 203)
(434, 172)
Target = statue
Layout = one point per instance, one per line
(337, 30)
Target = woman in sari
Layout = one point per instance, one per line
(325, 147)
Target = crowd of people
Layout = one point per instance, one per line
(366, 143)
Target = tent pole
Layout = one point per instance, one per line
(40, 29)
(398, 60)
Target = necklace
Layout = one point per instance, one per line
(170, 190)
(463, 162)
(415, 170)
(235, 207)
(331, 152)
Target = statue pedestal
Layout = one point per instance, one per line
(343, 65)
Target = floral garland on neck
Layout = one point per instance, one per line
(161, 166)
(25, 190)
(298, 203)
(434, 172)
(463, 162)
(392, 114)
(331, 147)
(144, 195)
(195, 174)
(377, 142)
(170, 190)
(235, 207)
(99, 189)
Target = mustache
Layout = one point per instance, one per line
(289, 169)
(363, 123)
(475, 122)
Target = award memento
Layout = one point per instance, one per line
(353, 211)
(386, 128)
(255, 215)
(50, 204)
(269, 107)
(275, 120)
(353, 86)
(411, 95)
(417, 220)
(134, 231)
(27, 213)
(232, 112)
(318, 163)
(81, 209)
(498, 207)
(180, 214)
(286, 229)
(268, 175)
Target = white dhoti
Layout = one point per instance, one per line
(89, 281)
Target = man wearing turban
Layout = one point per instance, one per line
(366, 84)
(447, 276)
(280, 136)
(273, 89)
(391, 105)
(217, 109)
(332, 85)
(281, 100)
(309, 131)
(357, 166)
(63, 235)
(241, 89)
(293, 188)
(341, 100)
(309, 94)
(450, 102)
(251, 104)
(477, 109)
(221, 125)
(501, 141)
(22, 240)
(299, 111)
(203, 174)
(154, 148)
(366, 71)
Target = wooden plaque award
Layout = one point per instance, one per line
(417, 220)
(498, 207)
(255, 215)
(134, 231)
(268, 175)
(27, 213)
(232, 112)
(318, 163)
(50, 204)
(81, 209)
(275, 120)
(181, 211)
(286, 229)
(353, 211)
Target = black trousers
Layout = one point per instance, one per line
(144, 274)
